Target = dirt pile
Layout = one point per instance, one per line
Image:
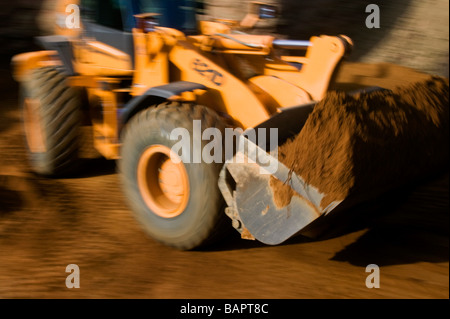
(363, 144)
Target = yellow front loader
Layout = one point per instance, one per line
(161, 90)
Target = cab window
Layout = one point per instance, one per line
(104, 12)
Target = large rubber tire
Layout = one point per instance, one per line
(203, 220)
(52, 122)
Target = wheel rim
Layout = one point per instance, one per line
(163, 184)
(33, 128)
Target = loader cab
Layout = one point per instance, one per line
(108, 47)
(119, 14)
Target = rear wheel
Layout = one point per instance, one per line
(177, 202)
(51, 117)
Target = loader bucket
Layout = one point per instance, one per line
(267, 200)
(347, 149)
(246, 182)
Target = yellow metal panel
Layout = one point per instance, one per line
(284, 93)
(226, 93)
(96, 58)
(23, 63)
(152, 64)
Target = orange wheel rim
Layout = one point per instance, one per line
(163, 183)
(33, 128)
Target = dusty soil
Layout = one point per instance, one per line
(47, 224)
(365, 144)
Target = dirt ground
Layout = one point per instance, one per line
(47, 224)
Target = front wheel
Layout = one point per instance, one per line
(177, 202)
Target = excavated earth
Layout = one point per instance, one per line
(48, 224)
(361, 145)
